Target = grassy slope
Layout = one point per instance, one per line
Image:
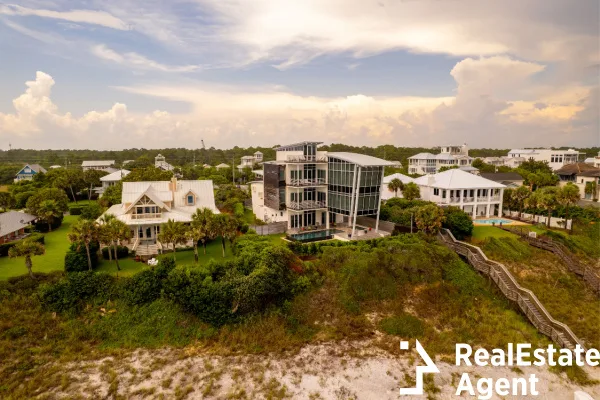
(56, 245)
(481, 232)
(564, 295)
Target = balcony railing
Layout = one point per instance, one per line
(306, 205)
(308, 182)
(146, 216)
(306, 159)
(495, 198)
(454, 199)
(468, 199)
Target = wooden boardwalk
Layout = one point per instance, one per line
(525, 299)
(588, 274)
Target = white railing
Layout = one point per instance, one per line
(306, 205)
(135, 244)
(468, 199)
(454, 199)
(525, 298)
(146, 216)
(307, 182)
(306, 159)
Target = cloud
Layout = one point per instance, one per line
(135, 60)
(226, 115)
(100, 18)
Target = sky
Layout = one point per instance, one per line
(108, 74)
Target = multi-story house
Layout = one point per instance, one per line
(594, 161)
(161, 162)
(111, 180)
(145, 206)
(449, 156)
(473, 194)
(306, 187)
(28, 171)
(386, 193)
(102, 165)
(555, 158)
(586, 177)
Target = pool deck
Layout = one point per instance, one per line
(360, 233)
(512, 222)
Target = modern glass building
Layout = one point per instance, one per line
(311, 188)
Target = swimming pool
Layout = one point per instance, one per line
(492, 221)
(314, 235)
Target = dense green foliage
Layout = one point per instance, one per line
(4, 247)
(122, 252)
(76, 258)
(459, 222)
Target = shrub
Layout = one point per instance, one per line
(459, 222)
(92, 211)
(42, 226)
(4, 247)
(76, 289)
(146, 286)
(404, 325)
(75, 210)
(122, 252)
(76, 258)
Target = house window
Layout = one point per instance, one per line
(190, 199)
(436, 192)
(443, 194)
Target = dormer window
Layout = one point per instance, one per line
(190, 199)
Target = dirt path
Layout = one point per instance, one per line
(328, 371)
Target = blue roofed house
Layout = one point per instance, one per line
(28, 171)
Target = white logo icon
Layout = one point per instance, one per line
(428, 368)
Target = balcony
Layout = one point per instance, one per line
(308, 182)
(306, 159)
(306, 205)
(454, 199)
(146, 216)
(495, 198)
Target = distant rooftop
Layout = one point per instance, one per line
(361, 159)
(456, 179)
(289, 146)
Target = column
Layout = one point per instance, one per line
(487, 210)
(356, 203)
(501, 200)
(352, 199)
(474, 210)
(379, 202)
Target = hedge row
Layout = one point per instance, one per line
(122, 252)
(38, 237)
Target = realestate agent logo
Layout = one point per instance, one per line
(428, 368)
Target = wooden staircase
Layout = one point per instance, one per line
(591, 277)
(527, 302)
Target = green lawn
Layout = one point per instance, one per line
(129, 266)
(56, 243)
(482, 232)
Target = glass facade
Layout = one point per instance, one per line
(340, 188)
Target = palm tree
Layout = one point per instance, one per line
(26, 248)
(48, 211)
(395, 185)
(105, 235)
(411, 191)
(203, 220)
(520, 195)
(567, 197)
(118, 231)
(174, 233)
(549, 200)
(84, 232)
(226, 227)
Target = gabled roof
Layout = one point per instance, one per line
(403, 178)
(115, 176)
(98, 163)
(35, 167)
(421, 156)
(152, 195)
(12, 221)
(257, 152)
(362, 160)
(222, 165)
(457, 179)
(575, 169)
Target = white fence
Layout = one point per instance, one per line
(540, 219)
